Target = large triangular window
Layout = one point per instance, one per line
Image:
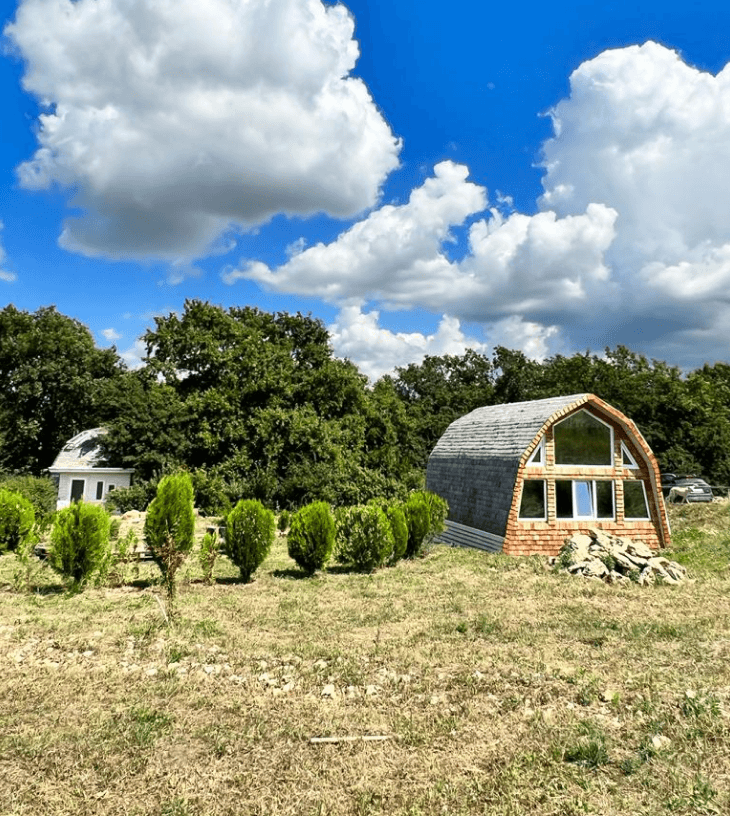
(583, 439)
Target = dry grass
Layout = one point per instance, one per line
(504, 689)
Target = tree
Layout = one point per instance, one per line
(51, 374)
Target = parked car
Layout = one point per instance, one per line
(689, 489)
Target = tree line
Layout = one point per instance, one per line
(254, 404)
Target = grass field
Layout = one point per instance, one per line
(502, 688)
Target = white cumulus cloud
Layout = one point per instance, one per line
(377, 351)
(5, 275)
(110, 334)
(175, 120)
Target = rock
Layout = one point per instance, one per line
(328, 691)
(660, 742)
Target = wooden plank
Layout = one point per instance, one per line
(460, 535)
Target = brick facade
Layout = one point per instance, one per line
(472, 469)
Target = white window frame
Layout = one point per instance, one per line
(544, 501)
(647, 517)
(594, 500)
(627, 453)
(539, 451)
(584, 464)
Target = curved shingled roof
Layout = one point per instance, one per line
(496, 437)
(82, 451)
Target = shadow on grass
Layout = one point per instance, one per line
(293, 574)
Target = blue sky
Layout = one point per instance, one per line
(550, 177)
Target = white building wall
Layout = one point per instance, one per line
(91, 478)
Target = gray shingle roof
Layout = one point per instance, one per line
(474, 464)
(82, 451)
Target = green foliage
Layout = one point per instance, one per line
(250, 532)
(169, 527)
(312, 536)
(212, 493)
(208, 555)
(425, 513)
(17, 518)
(79, 542)
(282, 522)
(369, 543)
(124, 556)
(52, 376)
(395, 514)
(135, 497)
(40, 491)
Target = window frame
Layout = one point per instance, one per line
(520, 517)
(539, 450)
(594, 500)
(625, 452)
(647, 517)
(612, 442)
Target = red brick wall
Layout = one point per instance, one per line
(547, 537)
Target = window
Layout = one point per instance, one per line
(110, 488)
(584, 499)
(627, 460)
(581, 439)
(635, 505)
(532, 505)
(99, 490)
(537, 457)
(77, 489)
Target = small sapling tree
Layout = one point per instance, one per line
(169, 529)
(425, 514)
(250, 532)
(80, 542)
(312, 536)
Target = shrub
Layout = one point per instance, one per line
(169, 527)
(250, 532)
(211, 493)
(136, 497)
(283, 521)
(370, 538)
(425, 515)
(398, 525)
(80, 542)
(208, 555)
(40, 491)
(17, 518)
(312, 536)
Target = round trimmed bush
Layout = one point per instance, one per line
(17, 518)
(80, 542)
(312, 536)
(397, 518)
(250, 532)
(425, 515)
(370, 539)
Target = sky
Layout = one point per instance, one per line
(423, 177)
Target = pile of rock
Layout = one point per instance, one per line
(615, 559)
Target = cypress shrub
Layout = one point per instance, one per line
(283, 521)
(17, 518)
(397, 518)
(312, 536)
(425, 515)
(370, 539)
(169, 527)
(418, 519)
(250, 532)
(80, 542)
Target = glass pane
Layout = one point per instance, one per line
(77, 489)
(563, 498)
(582, 440)
(99, 490)
(583, 499)
(635, 501)
(604, 500)
(533, 499)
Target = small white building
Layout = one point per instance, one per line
(78, 476)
